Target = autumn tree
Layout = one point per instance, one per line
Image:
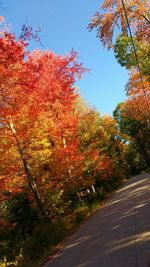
(118, 15)
(135, 132)
(101, 147)
(37, 122)
(90, 134)
(125, 27)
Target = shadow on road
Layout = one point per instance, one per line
(116, 236)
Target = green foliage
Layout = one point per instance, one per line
(20, 212)
(136, 135)
(70, 198)
(80, 214)
(45, 236)
(124, 51)
(55, 201)
(19, 221)
(133, 160)
(125, 54)
(126, 125)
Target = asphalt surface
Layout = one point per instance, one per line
(118, 235)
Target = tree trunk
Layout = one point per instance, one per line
(30, 180)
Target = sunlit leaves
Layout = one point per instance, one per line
(38, 100)
(125, 54)
(111, 20)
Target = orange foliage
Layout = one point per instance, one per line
(111, 16)
(37, 122)
(138, 104)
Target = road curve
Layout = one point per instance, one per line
(118, 235)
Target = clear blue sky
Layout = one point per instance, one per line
(64, 26)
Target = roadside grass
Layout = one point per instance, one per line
(47, 238)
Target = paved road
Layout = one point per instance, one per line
(118, 235)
